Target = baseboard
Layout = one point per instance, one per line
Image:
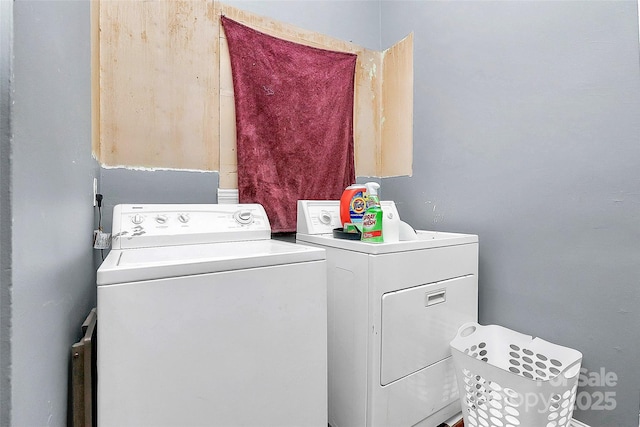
(455, 421)
(227, 196)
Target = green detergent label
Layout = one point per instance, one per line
(372, 226)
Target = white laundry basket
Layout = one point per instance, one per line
(508, 379)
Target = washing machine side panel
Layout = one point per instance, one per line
(348, 320)
(239, 348)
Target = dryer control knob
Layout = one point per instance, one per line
(325, 217)
(137, 219)
(183, 218)
(243, 217)
(161, 219)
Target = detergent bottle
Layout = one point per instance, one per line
(372, 219)
(353, 205)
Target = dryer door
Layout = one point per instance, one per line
(418, 323)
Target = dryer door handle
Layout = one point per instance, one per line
(434, 298)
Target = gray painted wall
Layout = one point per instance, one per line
(6, 34)
(138, 186)
(356, 21)
(525, 133)
(526, 127)
(53, 274)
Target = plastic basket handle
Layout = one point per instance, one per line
(572, 370)
(464, 333)
(468, 330)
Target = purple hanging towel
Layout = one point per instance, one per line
(294, 122)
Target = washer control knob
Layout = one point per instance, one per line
(161, 219)
(325, 217)
(243, 217)
(137, 219)
(183, 218)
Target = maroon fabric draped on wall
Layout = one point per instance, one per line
(294, 122)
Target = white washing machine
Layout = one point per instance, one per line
(204, 320)
(393, 308)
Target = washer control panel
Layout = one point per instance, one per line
(143, 226)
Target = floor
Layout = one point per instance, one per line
(458, 424)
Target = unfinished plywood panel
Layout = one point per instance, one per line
(396, 148)
(163, 91)
(159, 84)
(367, 114)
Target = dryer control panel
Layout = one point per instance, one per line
(323, 216)
(318, 216)
(155, 225)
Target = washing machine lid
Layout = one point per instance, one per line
(132, 265)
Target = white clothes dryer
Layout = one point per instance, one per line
(393, 308)
(203, 319)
